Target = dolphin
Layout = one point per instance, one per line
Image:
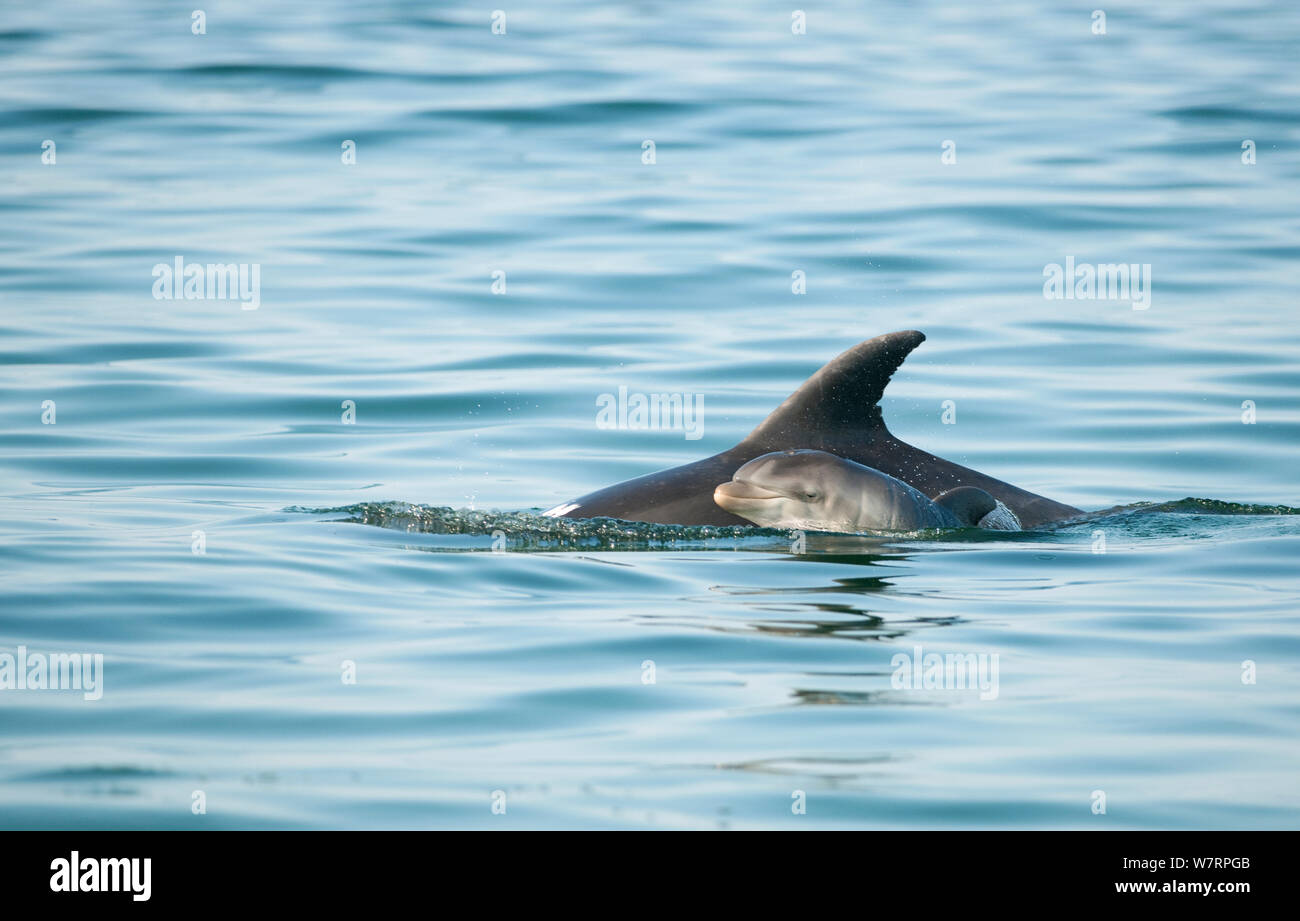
(836, 410)
(817, 491)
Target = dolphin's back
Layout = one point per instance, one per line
(836, 410)
(678, 495)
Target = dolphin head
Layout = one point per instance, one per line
(794, 489)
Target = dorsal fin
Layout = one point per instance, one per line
(841, 397)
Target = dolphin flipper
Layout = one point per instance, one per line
(836, 410)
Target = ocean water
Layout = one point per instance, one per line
(380, 632)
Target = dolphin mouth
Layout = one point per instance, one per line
(739, 489)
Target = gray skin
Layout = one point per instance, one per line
(816, 491)
(836, 410)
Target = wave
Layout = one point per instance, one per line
(530, 530)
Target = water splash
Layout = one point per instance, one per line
(1190, 505)
(532, 531)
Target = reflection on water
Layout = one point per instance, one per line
(858, 699)
(826, 769)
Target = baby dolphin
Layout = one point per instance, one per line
(817, 491)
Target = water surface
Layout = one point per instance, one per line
(517, 664)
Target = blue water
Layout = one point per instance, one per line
(512, 670)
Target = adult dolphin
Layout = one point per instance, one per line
(836, 410)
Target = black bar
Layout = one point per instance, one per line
(944, 870)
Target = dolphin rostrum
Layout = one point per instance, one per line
(836, 410)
